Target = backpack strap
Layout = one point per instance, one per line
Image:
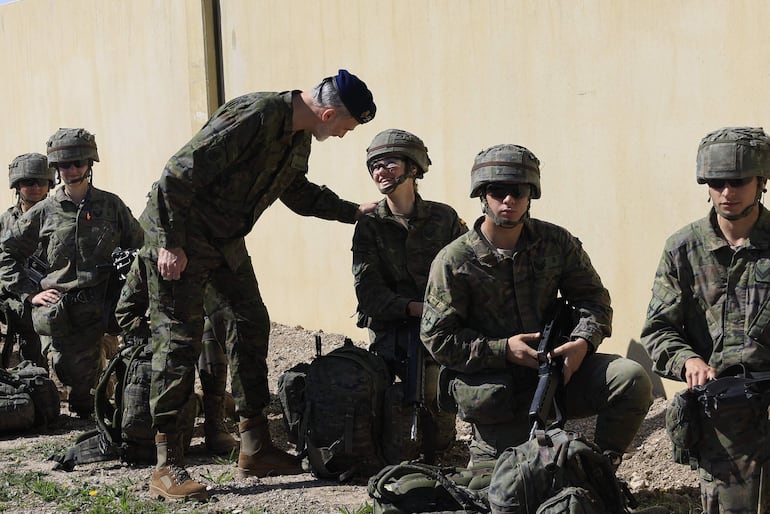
(319, 458)
(90, 447)
(466, 499)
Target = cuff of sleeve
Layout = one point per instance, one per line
(497, 349)
(677, 363)
(593, 340)
(347, 213)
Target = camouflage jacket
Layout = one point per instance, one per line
(242, 160)
(9, 217)
(77, 241)
(391, 262)
(476, 297)
(710, 301)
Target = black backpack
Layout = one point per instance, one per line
(333, 410)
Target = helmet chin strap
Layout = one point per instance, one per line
(397, 182)
(745, 212)
(497, 220)
(78, 180)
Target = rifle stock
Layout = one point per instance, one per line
(415, 387)
(36, 269)
(546, 402)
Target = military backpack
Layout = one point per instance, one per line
(124, 428)
(28, 398)
(557, 472)
(333, 410)
(416, 487)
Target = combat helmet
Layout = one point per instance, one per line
(505, 163)
(733, 153)
(401, 143)
(70, 144)
(29, 165)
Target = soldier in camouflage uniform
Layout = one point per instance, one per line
(77, 227)
(253, 151)
(486, 302)
(393, 247)
(31, 177)
(710, 309)
(131, 315)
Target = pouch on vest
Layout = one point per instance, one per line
(485, 397)
(51, 320)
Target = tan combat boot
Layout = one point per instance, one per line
(258, 457)
(217, 437)
(170, 479)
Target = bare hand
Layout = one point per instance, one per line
(573, 353)
(45, 298)
(697, 372)
(171, 262)
(519, 352)
(365, 208)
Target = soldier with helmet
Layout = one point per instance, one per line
(31, 177)
(487, 300)
(710, 311)
(76, 229)
(393, 247)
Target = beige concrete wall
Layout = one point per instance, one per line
(131, 72)
(612, 96)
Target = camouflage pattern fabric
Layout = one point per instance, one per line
(391, 263)
(476, 298)
(77, 243)
(209, 196)
(712, 302)
(18, 313)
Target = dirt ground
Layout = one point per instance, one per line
(647, 468)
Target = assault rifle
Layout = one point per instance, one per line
(36, 269)
(414, 393)
(550, 373)
(121, 262)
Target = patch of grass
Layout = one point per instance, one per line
(363, 509)
(219, 479)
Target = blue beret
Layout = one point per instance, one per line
(356, 96)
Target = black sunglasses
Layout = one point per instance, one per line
(67, 165)
(501, 191)
(28, 182)
(733, 182)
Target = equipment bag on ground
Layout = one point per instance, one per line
(124, 423)
(557, 472)
(415, 487)
(28, 398)
(336, 409)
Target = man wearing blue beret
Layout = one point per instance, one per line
(253, 151)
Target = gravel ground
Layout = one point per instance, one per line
(647, 467)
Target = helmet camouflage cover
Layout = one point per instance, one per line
(505, 163)
(69, 144)
(733, 152)
(401, 143)
(29, 165)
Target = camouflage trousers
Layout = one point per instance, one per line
(615, 389)
(19, 321)
(177, 319)
(76, 356)
(734, 461)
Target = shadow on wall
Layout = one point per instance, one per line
(637, 352)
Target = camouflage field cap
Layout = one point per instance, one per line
(733, 152)
(71, 144)
(505, 163)
(29, 165)
(399, 143)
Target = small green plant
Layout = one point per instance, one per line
(219, 479)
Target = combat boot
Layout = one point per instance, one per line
(217, 437)
(170, 479)
(258, 456)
